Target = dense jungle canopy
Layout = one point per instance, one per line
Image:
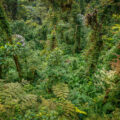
(59, 59)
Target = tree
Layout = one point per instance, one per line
(95, 43)
(6, 28)
(11, 7)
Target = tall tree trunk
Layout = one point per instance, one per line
(14, 10)
(96, 42)
(77, 37)
(15, 57)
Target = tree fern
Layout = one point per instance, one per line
(61, 90)
(12, 94)
(70, 112)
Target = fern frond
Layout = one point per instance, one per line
(69, 109)
(61, 90)
(12, 94)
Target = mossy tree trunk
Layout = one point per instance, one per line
(96, 42)
(77, 46)
(11, 7)
(82, 6)
(14, 11)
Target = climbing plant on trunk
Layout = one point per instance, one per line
(95, 41)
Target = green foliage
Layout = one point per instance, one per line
(61, 90)
(15, 99)
(67, 54)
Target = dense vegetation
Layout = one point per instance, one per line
(59, 60)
